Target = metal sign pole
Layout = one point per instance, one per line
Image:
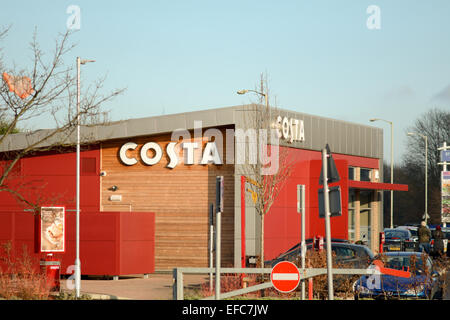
(218, 235)
(327, 223)
(77, 221)
(211, 244)
(219, 208)
(301, 210)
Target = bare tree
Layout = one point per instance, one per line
(435, 124)
(51, 94)
(265, 179)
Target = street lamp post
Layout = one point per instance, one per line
(392, 166)
(77, 240)
(266, 96)
(426, 171)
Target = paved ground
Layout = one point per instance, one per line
(156, 287)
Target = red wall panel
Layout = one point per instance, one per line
(112, 243)
(283, 223)
(50, 179)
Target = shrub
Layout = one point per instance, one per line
(20, 279)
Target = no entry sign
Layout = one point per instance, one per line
(285, 276)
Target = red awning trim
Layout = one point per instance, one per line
(377, 185)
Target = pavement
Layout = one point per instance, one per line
(156, 286)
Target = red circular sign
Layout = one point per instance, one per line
(285, 276)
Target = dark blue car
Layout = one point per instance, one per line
(398, 239)
(423, 282)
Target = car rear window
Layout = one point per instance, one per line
(396, 234)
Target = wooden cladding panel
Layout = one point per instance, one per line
(180, 198)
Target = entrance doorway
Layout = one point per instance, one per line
(360, 215)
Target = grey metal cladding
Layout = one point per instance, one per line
(112, 131)
(344, 137)
(138, 126)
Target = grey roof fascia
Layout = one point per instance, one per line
(127, 128)
(347, 137)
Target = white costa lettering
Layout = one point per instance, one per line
(123, 153)
(156, 158)
(211, 154)
(289, 129)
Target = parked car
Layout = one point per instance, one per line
(347, 255)
(423, 281)
(351, 255)
(398, 239)
(413, 230)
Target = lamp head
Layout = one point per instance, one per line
(86, 61)
(242, 91)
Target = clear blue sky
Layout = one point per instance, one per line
(179, 56)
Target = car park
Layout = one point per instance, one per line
(398, 239)
(404, 275)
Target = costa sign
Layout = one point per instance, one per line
(210, 153)
(290, 129)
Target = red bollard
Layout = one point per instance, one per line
(310, 289)
(50, 267)
(382, 241)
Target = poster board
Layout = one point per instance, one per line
(445, 179)
(52, 229)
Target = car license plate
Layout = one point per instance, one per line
(394, 248)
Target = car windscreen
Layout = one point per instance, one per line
(404, 262)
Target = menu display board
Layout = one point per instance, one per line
(52, 229)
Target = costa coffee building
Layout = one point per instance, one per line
(147, 185)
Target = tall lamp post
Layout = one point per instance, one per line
(392, 166)
(77, 240)
(426, 171)
(266, 96)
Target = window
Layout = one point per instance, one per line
(344, 253)
(351, 173)
(365, 174)
(365, 198)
